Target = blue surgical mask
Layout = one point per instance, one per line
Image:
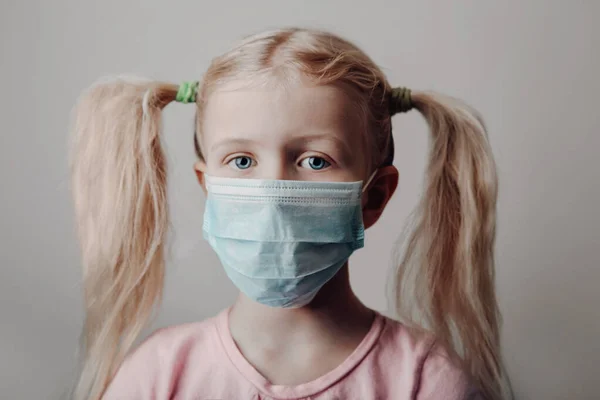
(281, 241)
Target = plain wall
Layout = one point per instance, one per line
(530, 67)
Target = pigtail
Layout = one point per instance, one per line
(445, 280)
(119, 176)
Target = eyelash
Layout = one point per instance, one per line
(327, 163)
(234, 162)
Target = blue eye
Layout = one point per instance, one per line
(315, 163)
(241, 162)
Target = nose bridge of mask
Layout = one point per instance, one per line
(274, 210)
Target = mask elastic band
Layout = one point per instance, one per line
(366, 185)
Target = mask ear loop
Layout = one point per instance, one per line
(366, 185)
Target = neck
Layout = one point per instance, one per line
(335, 310)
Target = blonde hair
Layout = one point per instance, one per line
(445, 279)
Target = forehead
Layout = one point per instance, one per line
(276, 114)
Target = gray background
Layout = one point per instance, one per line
(531, 68)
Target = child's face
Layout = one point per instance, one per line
(302, 133)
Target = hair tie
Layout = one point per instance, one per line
(400, 100)
(187, 92)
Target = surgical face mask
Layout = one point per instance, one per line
(281, 241)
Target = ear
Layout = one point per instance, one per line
(377, 195)
(199, 168)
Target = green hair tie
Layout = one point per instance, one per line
(187, 92)
(400, 100)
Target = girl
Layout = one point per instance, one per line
(294, 144)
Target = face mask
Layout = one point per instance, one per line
(281, 241)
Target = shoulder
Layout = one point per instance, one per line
(442, 377)
(170, 343)
(436, 374)
(407, 346)
(153, 368)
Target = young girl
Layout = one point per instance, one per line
(295, 150)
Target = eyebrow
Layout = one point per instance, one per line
(295, 142)
(309, 138)
(229, 142)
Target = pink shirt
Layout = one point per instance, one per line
(200, 361)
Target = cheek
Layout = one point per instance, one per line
(358, 162)
(359, 168)
(215, 167)
(213, 163)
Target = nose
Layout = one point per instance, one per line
(278, 167)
